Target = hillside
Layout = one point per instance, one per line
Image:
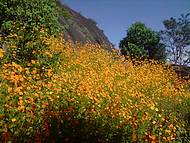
(78, 28)
(55, 91)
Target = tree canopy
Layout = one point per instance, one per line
(176, 37)
(142, 42)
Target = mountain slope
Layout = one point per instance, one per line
(78, 28)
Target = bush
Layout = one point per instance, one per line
(25, 23)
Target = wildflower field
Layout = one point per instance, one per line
(83, 93)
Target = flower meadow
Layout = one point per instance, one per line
(83, 93)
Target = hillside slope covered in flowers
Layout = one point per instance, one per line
(83, 93)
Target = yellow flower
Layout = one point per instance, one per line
(156, 109)
(33, 61)
(13, 120)
(154, 122)
(152, 107)
(1, 53)
(167, 131)
(48, 54)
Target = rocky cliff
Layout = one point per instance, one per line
(78, 28)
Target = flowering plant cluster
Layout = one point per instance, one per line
(84, 93)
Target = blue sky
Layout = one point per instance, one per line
(114, 17)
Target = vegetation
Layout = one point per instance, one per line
(142, 42)
(91, 95)
(176, 37)
(55, 91)
(24, 23)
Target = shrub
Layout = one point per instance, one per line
(25, 23)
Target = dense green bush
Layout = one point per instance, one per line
(142, 42)
(134, 51)
(25, 23)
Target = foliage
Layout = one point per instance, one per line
(25, 23)
(145, 43)
(133, 50)
(91, 95)
(176, 37)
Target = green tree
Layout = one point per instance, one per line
(142, 42)
(25, 22)
(176, 37)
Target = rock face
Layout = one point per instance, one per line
(78, 28)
